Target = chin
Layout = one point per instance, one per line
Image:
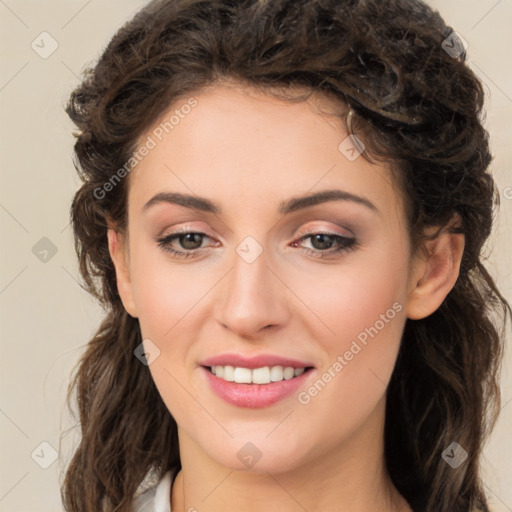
(258, 456)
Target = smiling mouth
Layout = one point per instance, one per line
(263, 375)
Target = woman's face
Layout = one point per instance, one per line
(259, 280)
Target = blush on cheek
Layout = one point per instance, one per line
(364, 355)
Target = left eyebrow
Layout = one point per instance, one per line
(286, 207)
(298, 203)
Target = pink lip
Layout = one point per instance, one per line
(254, 395)
(253, 362)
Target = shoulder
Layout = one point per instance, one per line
(156, 498)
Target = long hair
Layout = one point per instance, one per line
(415, 104)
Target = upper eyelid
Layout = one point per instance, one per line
(186, 228)
(329, 231)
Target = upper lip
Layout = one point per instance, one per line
(258, 361)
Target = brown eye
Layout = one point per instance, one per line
(322, 244)
(189, 243)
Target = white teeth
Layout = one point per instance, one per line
(229, 373)
(288, 373)
(276, 373)
(263, 375)
(243, 375)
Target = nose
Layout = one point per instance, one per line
(252, 298)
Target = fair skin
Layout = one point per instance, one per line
(247, 152)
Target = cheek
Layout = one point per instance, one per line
(164, 291)
(168, 305)
(349, 299)
(167, 309)
(363, 314)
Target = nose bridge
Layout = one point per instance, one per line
(252, 297)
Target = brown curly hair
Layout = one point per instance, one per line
(414, 105)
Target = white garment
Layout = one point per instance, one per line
(156, 498)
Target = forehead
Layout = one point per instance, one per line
(249, 149)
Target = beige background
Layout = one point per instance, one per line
(46, 318)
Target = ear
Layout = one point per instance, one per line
(118, 249)
(434, 273)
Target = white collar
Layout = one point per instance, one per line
(163, 494)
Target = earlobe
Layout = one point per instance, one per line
(118, 253)
(435, 274)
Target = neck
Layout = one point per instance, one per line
(351, 477)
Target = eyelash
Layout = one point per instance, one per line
(345, 244)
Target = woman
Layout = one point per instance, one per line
(282, 211)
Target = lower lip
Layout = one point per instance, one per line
(254, 395)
